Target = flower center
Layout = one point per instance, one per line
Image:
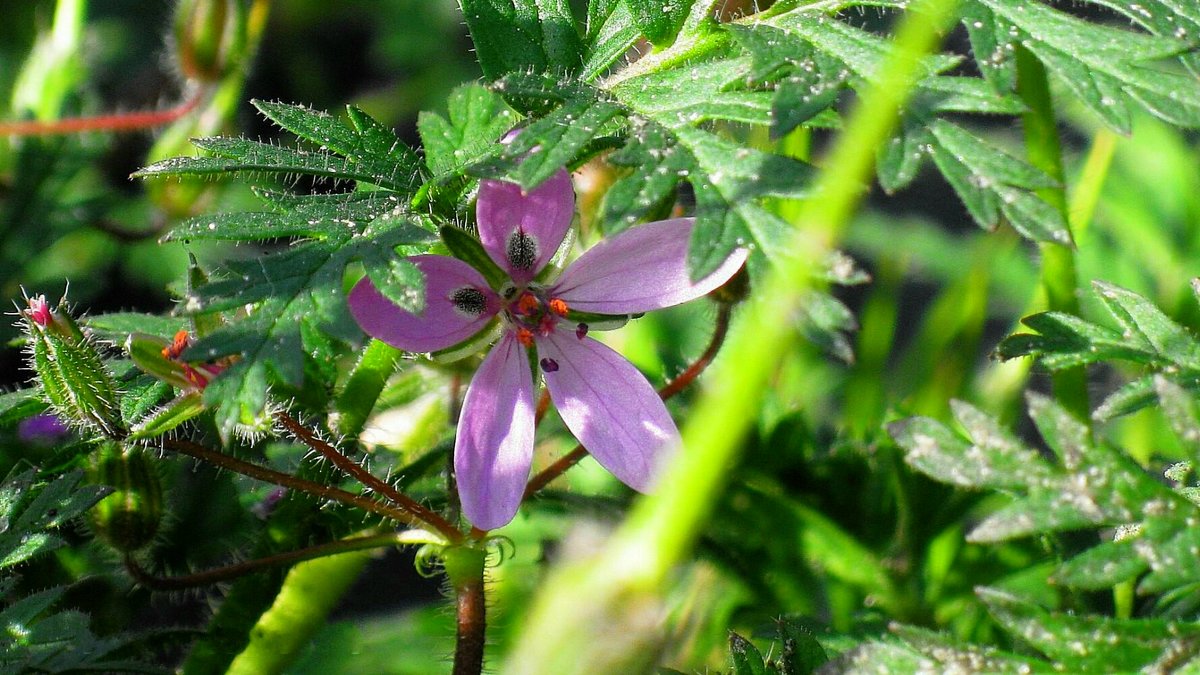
(529, 311)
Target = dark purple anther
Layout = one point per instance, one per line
(549, 365)
(581, 331)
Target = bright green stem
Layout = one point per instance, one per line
(1058, 262)
(362, 390)
(623, 583)
(309, 593)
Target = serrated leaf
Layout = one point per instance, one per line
(1139, 317)
(118, 326)
(1087, 643)
(610, 33)
(953, 656)
(1107, 68)
(523, 35)
(1180, 408)
(1102, 566)
(476, 119)
(659, 20)
(30, 508)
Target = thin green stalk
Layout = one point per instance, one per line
(1058, 262)
(622, 585)
(362, 390)
(309, 593)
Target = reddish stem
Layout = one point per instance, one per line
(229, 572)
(471, 615)
(291, 482)
(131, 121)
(542, 407)
(358, 473)
(668, 390)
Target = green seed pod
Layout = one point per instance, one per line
(128, 518)
(210, 37)
(74, 378)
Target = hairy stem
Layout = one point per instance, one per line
(228, 572)
(266, 475)
(358, 473)
(464, 567)
(668, 390)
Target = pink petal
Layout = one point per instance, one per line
(521, 231)
(494, 448)
(609, 406)
(640, 269)
(443, 323)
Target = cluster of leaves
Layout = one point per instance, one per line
(1144, 526)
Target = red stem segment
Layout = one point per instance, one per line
(291, 482)
(131, 121)
(358, 473)
(229, 572)
(670, 389)
(471, 615)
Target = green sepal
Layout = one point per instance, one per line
(600, 321)
(146, 353)
(469, 250)
(73, 376)
(464, 564)
(181, 409)
(467, 347)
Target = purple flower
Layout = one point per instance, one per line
(602, 398)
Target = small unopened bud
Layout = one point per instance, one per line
(210, 37)
(129, 518)
(74, 378)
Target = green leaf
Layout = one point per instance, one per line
(745, 657)
(17, 405)
(118, 326)
(611, 32)
(991, 182)
(523, 35)
(659, 20)
(1102, 566)
(477, 118)
(1109, 69)
(1088, 643)
(30, 508)
(365, 152)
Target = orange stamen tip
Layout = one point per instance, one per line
(180, 343)
(558, 306)
(527, 303)
(525, 337)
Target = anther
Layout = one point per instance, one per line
(521, 250)
(469, 300)
(527, 304)
(175, 349)
(549, 365)
(581, 331)
(525, 337)
(558, 306)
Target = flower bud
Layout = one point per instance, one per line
(76, 383)
(129, 518)
(210, 37)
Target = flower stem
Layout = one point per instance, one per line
(358, 473)
(291, 482)
(668, 390)
(464, 567)
(130, 121)
(1059, 279)
(228, 572)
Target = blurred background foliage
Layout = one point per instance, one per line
(823, 522)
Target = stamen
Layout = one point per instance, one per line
(558, 306)
(527, 304)
(581, 331)
(180, 343)
(469, 300)
(549, 365)
(525, 337)
(522, 251)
